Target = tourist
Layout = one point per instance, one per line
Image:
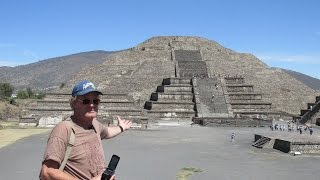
(300, 129)
(212, 98)
(289, 127)
(283, 127)
(86, 159)
(311, 130)
(233, 135)
(271, 127)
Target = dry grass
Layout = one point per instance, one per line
(10, 131)
(9, 136)
(9, 124)
(184, 173)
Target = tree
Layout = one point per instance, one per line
(6, 90)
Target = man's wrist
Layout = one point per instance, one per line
(121, 128)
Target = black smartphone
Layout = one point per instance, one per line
(106, 175)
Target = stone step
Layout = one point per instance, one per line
(176, 93)
(239, 88)
(123, 112)
(114, 108)
(65, 103)
(187, 55)
(172, 96)
(189, 64)
(192, 67)
(47, 100)
(193, 74)
(59, 109)
(248, 101)
(250, 105)
(170, 122)
(117, 104)
(171, 81)
(260, 114)
(137, 119)
(175, 105)
(241, 122)
(57, 96)
(114, 96)
(28, 120)
(244, 96)
(176, 119)
(174, 88)
(234, 80)
(66, 96)
(171, 113)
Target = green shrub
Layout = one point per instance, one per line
(23, 94)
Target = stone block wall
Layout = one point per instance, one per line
(306, 148)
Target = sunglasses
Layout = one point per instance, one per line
(88, 101)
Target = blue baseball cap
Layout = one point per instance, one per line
(84, 87)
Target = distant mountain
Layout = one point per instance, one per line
(312, 82)
(50, 72)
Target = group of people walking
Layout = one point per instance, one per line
(292, 126)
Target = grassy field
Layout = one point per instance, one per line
(10, 132)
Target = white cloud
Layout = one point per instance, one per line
(30, 54)
(302, 63)
(7, 45)
(7, 63)
(307, 59)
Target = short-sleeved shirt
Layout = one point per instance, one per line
(86, 159)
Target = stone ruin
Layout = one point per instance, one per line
(178, 80)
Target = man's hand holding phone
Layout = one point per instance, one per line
(108, 174)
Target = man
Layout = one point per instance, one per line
(86, 159)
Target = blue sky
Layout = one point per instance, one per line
(282, 33)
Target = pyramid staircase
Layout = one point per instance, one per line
(56, 107)
(311, 113)
(172, 103)
(210, 97)
(245, 102)
(261, 142)
(190, 64)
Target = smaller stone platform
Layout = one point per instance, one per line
(224, 120)
(289, 142)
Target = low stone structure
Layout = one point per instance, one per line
(288, 142)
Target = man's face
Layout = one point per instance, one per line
(86, 106)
